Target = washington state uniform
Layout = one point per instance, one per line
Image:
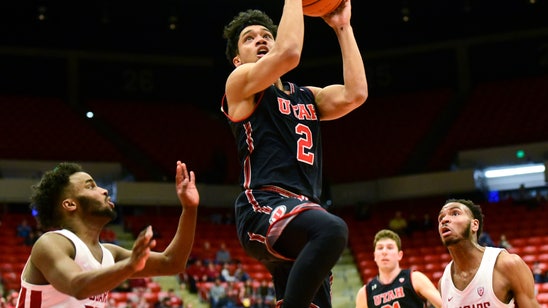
(479, 292)
(279, 148)
(397, 294)
(46, 296)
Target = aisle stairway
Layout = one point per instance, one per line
(346, 281)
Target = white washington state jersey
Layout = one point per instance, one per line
(479, 292)
(46, 296)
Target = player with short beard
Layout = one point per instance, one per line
(479, 276)
(69, 266)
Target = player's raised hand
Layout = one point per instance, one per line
(185, 183)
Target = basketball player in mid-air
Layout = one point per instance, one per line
(279, 219)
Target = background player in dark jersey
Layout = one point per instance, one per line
(279, 218)
(395, 287)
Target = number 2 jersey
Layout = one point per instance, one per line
(279, 144)
(397, 294)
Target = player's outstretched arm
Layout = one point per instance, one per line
(336, 101)
(173, 259)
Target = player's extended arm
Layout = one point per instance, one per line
(336, 101)
(174, 258)
(52, 260)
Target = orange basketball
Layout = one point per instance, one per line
(318, 8)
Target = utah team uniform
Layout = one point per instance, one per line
(397, 294)
(46, 296)
(279, 148)
(479, 292)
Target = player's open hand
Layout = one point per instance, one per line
(141, 249)
(185, 183)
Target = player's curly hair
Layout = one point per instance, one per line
(244, 19)
(474, 208)
(47, 194)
